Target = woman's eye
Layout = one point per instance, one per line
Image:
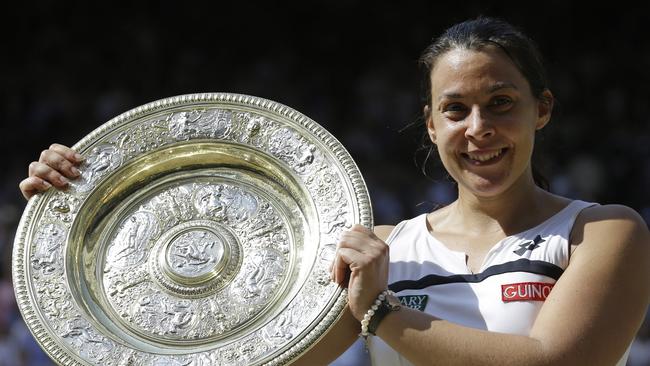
(501, 101)
(454, 107)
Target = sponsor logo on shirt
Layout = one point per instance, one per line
(417, 302)
(534, 291)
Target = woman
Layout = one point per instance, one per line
(508, 274)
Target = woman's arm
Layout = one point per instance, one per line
(343, 334)
(589, 318)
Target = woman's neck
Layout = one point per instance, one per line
(520, 207)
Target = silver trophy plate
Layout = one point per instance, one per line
(200, 232)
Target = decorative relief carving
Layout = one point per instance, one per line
(215, 123)
(48, 248)
(287, 325)
(195, 252)
(292, 148)
(161, 315)
(131, 243)
(263, 272)
(62, 208)
(224, 202)
(91, 345)
(121, 283)
(54, 298)
(102, 159)
(173, 206)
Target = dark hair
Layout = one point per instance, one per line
(475, 35)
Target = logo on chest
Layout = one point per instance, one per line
(525, 291)
(529, 245)
(417, 302)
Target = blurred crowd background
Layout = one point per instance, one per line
(351, 66)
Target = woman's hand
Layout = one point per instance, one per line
(365, 257)
(55, 166)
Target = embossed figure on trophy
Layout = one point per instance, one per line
(282, 328)
(49, 239)
(217, 121)
(53, 299)
(252, 129)
(263, 272)
(335, 218)
(182, 124)
(193, 255)
(129, 246)
(181, 203)
(164, 316)
(194, 250)
(131, 236)
(242, 204)
(62, 208)
(79, 329)
(254, 282)
(100, 159)
(179, 318)
(289, 147)
(119, 288)
(60, 205)
(208, 202)
(125, 281)
(94, 347)
(305, 155)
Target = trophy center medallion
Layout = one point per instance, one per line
(195, 253)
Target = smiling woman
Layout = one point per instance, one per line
(499, 269)
(493, 278)
(484, 118)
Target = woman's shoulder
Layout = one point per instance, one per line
(615, 226)
(383, 231)
(614, 216)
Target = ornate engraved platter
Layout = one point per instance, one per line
(200, 232)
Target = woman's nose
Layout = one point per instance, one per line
(478, 126)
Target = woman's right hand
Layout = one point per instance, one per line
(55, 167)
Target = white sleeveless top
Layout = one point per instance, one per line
(504, 296)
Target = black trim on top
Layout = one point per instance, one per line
(520, 265)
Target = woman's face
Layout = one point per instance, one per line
(483, 119)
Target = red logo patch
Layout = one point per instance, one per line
(535, 291)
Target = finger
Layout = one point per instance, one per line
(67, 152)
(353, 259)
(362, 229)
(339, 271)
(47, 173)
(59, 162)
(32, 185)
(345, 259)
(361, 241)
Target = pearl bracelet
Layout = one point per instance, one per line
(367, 317)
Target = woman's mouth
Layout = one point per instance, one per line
(482, 158)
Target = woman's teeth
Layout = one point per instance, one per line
(485, 156)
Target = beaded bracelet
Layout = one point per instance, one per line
(379, 309)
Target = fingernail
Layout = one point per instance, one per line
(78, 157)
(75, 171)
(64, 180)
(46, 184)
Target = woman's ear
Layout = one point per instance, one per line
(429, 122)
(544, 109)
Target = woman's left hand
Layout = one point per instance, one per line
(365, 257)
